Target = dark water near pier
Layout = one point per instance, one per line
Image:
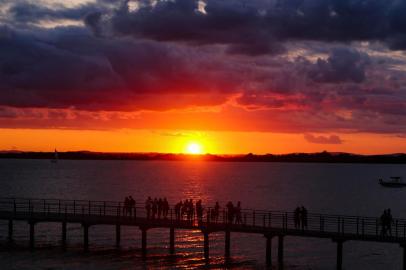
(350, 189)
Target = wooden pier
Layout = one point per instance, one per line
(270, 224)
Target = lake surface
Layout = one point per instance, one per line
(350, 189)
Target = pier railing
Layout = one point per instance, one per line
(356, 226)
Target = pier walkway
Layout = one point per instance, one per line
(270, 224)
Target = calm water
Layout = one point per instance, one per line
(324, 188)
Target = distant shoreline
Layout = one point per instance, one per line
(322, 157)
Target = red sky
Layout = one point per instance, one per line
(153, 76)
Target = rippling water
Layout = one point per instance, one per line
(350, 189)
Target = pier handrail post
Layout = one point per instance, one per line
(89, 207)
(357, 225)
(269, 219)
(286, 221)
(363, 227)
(396, 227)
(263, 220)
(135, 211)
(376, 226)
(342, 225)
(15, 206)
(338, 224)
(321, 222)
(59, 207)
(44, 206)
(29, 207)
(74, 207)
(104, 208)
(253, 218)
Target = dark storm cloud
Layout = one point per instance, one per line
(68, 67)
(263, 26)
(343, 65)
(332, 139)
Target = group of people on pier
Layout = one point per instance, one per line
(189, 210)
(157, 208)
(386, 222)
(129, 206)
(300, 217)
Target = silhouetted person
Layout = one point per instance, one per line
(160, 208)
(230, 212)
(238, 217)
(154, 207)
(383, 219)
(165, 208)
(389, 221)
(191, 210)
(178, 208)
(199, 211)
(148, 206)
(296, 217)
(126, 206)
(131, 206)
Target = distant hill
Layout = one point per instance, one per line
(322, 157)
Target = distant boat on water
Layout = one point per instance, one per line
(394, 181)
(55, 159)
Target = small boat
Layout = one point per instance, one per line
(395, 181)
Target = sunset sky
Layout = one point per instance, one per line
(233, 76)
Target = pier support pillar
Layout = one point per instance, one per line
(206, 245)
(280, 251)
(32, 234)
(64, 235)
(268, 250)
(227, 244)
(144, 242)
(404, 255)
(10, 230)
(118, 235)
(85, 237)
(339, 254)
(172, 240)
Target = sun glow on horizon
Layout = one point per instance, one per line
(194, 148)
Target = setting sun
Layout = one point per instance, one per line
(194, 148)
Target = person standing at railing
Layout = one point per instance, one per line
(238, 217)
(160, 207)
(131, 206)
(165, 208)
(199, 211)
(126, 205)
(178, 208)
(386, 222)
(148, 206)
(296, 217)
(230, 212)
(154, 207)
(390, 221)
